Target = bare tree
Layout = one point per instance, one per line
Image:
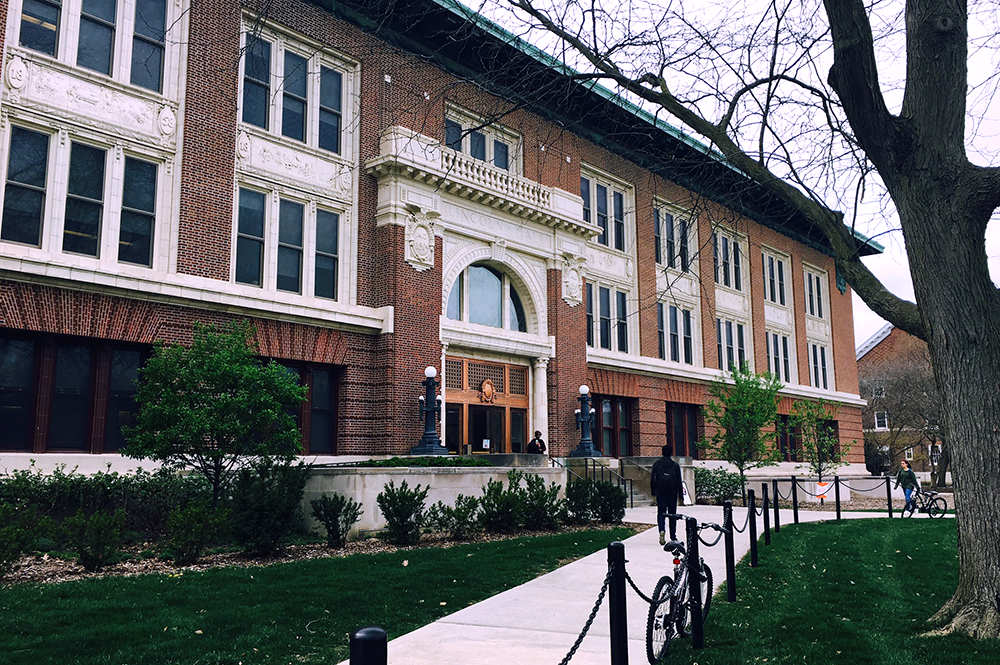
(791, 100)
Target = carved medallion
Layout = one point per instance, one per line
(573, 273)
(17, 73)
(420, 238)
(487, 392)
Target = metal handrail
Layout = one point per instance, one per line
(554, 462)
(616, 477)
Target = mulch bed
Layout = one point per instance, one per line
(45, 569)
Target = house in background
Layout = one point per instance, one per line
(379, 190)
(902, 418)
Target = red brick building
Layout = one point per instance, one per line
(380, 189)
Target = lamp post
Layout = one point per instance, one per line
(585, 423)
(430, 412)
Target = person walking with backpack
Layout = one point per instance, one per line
(666, 485)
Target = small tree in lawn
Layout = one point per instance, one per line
(214, 407)
(817, 439)
(744, 412)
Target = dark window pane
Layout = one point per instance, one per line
(102, 9)
(39, 24)
(293, 118)
(147, 65)
(22, 215)
(17, 372)
(96, 40)
(517, 320)
(477, 145)
(139, 192)
(485, 296)
(602, 213)
(71, 399)
(605, 305)
(135, 241)
(326, 277)
(296, 70)
(86, 172)
(248, 261)
(289, 269)
(323, 413)
(257, 82)
(150, 18)
(81, 234)
(290, 223)
(251, 213)
(258, 60)
(585, 195)
(455, 299)
(500, 158)
(121, 397)
(330, 86)
(255, 100)
(327, 232)
(29, 153)
(619, 203)
(329, 131)
(84, 207)
(453, 135)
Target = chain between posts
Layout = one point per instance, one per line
(593, 615)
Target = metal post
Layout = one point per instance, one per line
(585, 423)
(888, 495)
(616, 604)
(775, 499)
(765, 510)
(836, 493)
(752, 525)
(430, 413)
(795, 499)
(694, 585)
(727, 522)
(368, 646)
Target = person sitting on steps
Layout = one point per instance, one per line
(665, 484)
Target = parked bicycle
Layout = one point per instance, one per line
(926, 502)
(670, 611)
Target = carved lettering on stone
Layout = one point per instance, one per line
(167, 121)
(17, 76)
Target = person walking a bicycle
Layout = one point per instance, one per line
(665, 484)
(908, 480)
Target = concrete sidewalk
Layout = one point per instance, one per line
(538, 622)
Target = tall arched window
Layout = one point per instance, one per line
(485, 296)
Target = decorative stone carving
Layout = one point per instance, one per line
(420, 238)
(572, 283)
(499, 250)
(243, 146)
(167, 121)
(17, 75)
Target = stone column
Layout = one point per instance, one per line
(540, 400)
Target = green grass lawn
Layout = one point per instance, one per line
(286, 613)
(857, 592)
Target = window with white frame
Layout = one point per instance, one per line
(818, 354)
(608, 205)
(607, 318)
(671, 240)
(908, 453)
(730, 340)
(124, 39)
(294, 90)
(815, 292)
(881, 420)
(288, 245)
(681, 339)
(774, 268)
(778, 360)
(727, 258)
(482, 140)
(110, 204)
(486, 296)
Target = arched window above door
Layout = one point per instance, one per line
(485, 296)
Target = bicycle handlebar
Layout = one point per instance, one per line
(702, 525)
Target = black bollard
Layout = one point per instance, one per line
(836, 493)
(727, 522)
(368, 646)
(765, 510)
(694, 585)
(616, 604)
(888, 496)
(795, 499)
(775, 500)
(752, 525)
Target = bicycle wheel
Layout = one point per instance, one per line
(660, 623)
(684, 614)
(937, 507)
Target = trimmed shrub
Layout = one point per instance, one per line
(716, 485)
(461, 522)
(543, 509)
(403, 509)
(190, 529)
(265, 504)
(337, 513)
(609, 503)
(97, 538)
(15, 536)
(503, 508)
(581, 497)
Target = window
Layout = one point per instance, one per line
(605, 325)
(289, 247)
(298, 95)
(608, 202)
(100, 29)
(84, 200)
(613, 425)
(17, 393)
(786, 439)
(622, 323)
(71, 397)
(814, 294)
(681, 342)
(774, 277)
(24, 195)
(777, 355)
(818, 353)
(492, 299)
(481, 140)
(908, 453)
(135, 240)
(122, 407)
(661, 331)
(727, 259)
(676, 253)
(731, 344)
(682, 429)
(590, 314)
(610, 318)
(881, 420)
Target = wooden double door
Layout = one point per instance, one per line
(486, 407)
